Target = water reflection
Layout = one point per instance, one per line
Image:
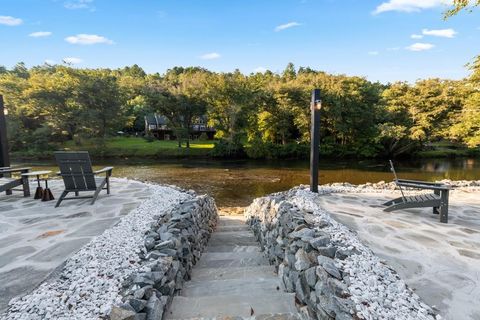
(236, 183)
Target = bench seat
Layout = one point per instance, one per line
(418, 201)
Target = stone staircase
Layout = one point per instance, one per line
(233, 280)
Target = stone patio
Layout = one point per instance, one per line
(441, 262)
(36, 238)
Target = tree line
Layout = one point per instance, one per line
(261, 114)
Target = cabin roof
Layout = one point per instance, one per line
(156, 119)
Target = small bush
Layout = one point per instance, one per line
(203, 137)
(228, 149)
(268, 150)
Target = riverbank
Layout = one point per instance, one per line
(237, 182)
(140, 148)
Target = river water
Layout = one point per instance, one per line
(237, 183)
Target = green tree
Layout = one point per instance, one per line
(179, 97)
(459, 5)
(229, 99)
(52, 99)
(100, 94)
(467, 128)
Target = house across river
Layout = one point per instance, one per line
(159, 127)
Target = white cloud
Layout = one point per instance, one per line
(51, 62)
(419, 46)
(410, 5)
(87, 39)
(260, 69)
(393, 49)
(72, 60)
(210, 56)
(78, 4)
(40, 34)
(416, 36)
(10, 21)
(446, 33)
(287, 26)
(373, 53)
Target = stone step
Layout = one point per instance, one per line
(238, 234)
(231, 305)
(270, 316)
(245, 286)
(228, 241)
(231, 259)
(203, 274)
(232, 248)
(223, 221)
(232, 228)
(240, 238)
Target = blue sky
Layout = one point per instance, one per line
(371, 38)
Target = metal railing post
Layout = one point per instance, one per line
(4, 158)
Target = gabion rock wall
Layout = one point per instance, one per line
(333, 275)
(304, 256)
(172, 247)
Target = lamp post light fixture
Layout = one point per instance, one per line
(315, 107)
(4, 158)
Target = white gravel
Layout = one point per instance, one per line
(376, 289)
(90, 281)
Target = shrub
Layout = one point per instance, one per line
(203, 137)
(228, 149)
(269, 150)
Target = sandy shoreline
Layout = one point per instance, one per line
(441, 262)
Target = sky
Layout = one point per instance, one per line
(382, 40)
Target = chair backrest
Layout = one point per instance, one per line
(76, 170)
(392, 168)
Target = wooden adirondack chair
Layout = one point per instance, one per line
(78, 176)
(7, 183)
(438, 199)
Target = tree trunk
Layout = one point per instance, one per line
(104, 127)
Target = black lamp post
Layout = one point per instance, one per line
(315, 107)
(4, 159)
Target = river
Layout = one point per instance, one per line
(236, 183)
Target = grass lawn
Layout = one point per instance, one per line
(139, 147)
(131, 147)
(156, 145)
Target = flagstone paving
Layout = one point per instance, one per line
(36, 238)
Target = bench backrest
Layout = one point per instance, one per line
(76, 170)
(392, 168)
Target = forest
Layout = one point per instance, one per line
(259, 115)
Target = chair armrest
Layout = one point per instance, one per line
(12, 170)
(420, 182)
(424, 186)
(108, 170)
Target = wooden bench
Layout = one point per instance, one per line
(7, 183)
(438, 200)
